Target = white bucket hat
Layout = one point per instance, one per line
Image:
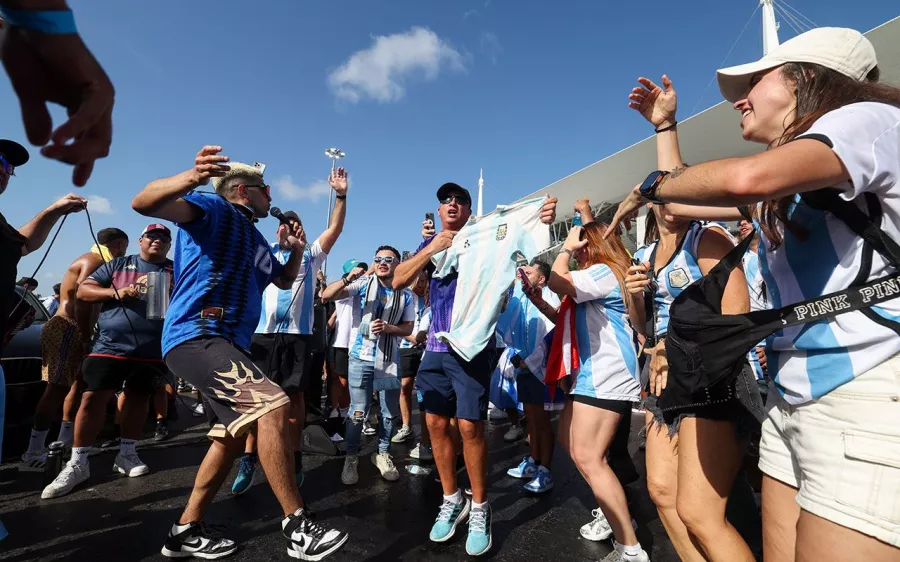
(840, 49)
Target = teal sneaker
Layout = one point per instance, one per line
(451, 515)
(479, 541)
(245, 474)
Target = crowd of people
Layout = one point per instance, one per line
(781, 342)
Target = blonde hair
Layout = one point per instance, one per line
(238, 174)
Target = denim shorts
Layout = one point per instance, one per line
(453, 387)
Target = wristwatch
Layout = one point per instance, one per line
(651, 184)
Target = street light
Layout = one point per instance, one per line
(335, 154)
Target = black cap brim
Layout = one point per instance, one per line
(450, 188)
(14, 152)
(291, 216)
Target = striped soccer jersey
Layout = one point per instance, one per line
(423, 319)
(484, 255)
(363, 348)
(810, 360)
(758, 301)
(275, 301)
(606, 348)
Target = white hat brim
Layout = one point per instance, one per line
(734, 81)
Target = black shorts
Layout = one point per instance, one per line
(285, 358)
(410, 359)
(235, 391)
(530, 390)
(340, 361)
(620, 407)
(110, 373)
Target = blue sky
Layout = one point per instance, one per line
(416, 93)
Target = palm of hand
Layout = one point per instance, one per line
(658, 106)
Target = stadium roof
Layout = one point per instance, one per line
(709, 135)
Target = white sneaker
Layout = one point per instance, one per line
(405, 433)
(369, 429)
(33, 462)
(514, 434)
(71, 475)
(198, 411)
(599, 529)
(385, 464)
(618, 555)
(350, 474)
(130, 465)
(421, 452)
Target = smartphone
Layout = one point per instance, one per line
(635, 261)
(429, 217)
(405, 255)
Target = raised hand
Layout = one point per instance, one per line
(427, 228)
(297, 238)
(656, 104)
(573, 241)
(209, 164)
(626, 211)
(636, 280)
(548, 211)
(71, 203)
(60, 69)
(338, 181)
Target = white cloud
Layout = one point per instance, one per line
(288, 189)
(470, 13)
(490, 46)
(99, 205)
(381, 71)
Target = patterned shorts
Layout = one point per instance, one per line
(235, 391)
(62, 349)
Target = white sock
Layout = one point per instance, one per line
(479, 505)
(455, 498)
(38, 438)
(176, 528)
(631, 550)
(345, 411)
(127, 447)
(66, 432)
(80, 455)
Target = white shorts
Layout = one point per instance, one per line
(842, 452)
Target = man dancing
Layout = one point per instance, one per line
(222, 265)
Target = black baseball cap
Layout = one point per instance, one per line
(14, 152)
(451, 188)
(292, 216)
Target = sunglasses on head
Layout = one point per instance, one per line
(266, 189)
(6, 166)
(460, 200)
(384, 259)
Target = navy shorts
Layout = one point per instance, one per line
(455, 388)
(530, 390)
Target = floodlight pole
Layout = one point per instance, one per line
(335, 154)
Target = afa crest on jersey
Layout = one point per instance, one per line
(501, 232)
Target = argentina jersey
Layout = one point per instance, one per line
(299, 318)
(758, 301)
(681, 270)
(421, 322)
(362, 346)
(606, 348)
(222, 264)
(484, 255)
(810, 360)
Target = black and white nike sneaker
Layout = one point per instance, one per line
(198, 540)
(307, 540)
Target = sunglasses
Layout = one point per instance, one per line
(460, 200)
(386, 259)
(266, 189)
(6, 166)
(158, 236)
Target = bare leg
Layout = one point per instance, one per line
(819, 539)
(297, 420)
(662, 484)
(406, 392)
(90, 416)
(161, 402)
(53, 396)
(545, 436)
(277, 458)
(475, 455)
(709, 457)
(513, 414)
(73, 399)
(134, 413)
(444, 451)
(586, 432)
(534, 441)
(212, 472)
(780, 514)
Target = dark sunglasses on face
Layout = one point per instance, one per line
(161, 237)
(386, 259)
(460, 200)
(266, 189)
(6, 166)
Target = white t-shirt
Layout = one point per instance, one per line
(346, 319)
(810, 360)
(606, 347)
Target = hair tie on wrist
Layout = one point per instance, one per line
(669, 128)
(51, 22)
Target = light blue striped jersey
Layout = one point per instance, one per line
(275, 301)
(423, 319)
(681, 271)
(758, 301)
(606, 344)
(363, 348)
(522, 327)
(484, 255)
(810, 360)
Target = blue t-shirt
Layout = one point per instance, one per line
(125, 330)
(222, 265)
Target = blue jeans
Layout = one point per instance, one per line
(361, 376)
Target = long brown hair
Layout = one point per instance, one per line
(819, 90)
(609, 251)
